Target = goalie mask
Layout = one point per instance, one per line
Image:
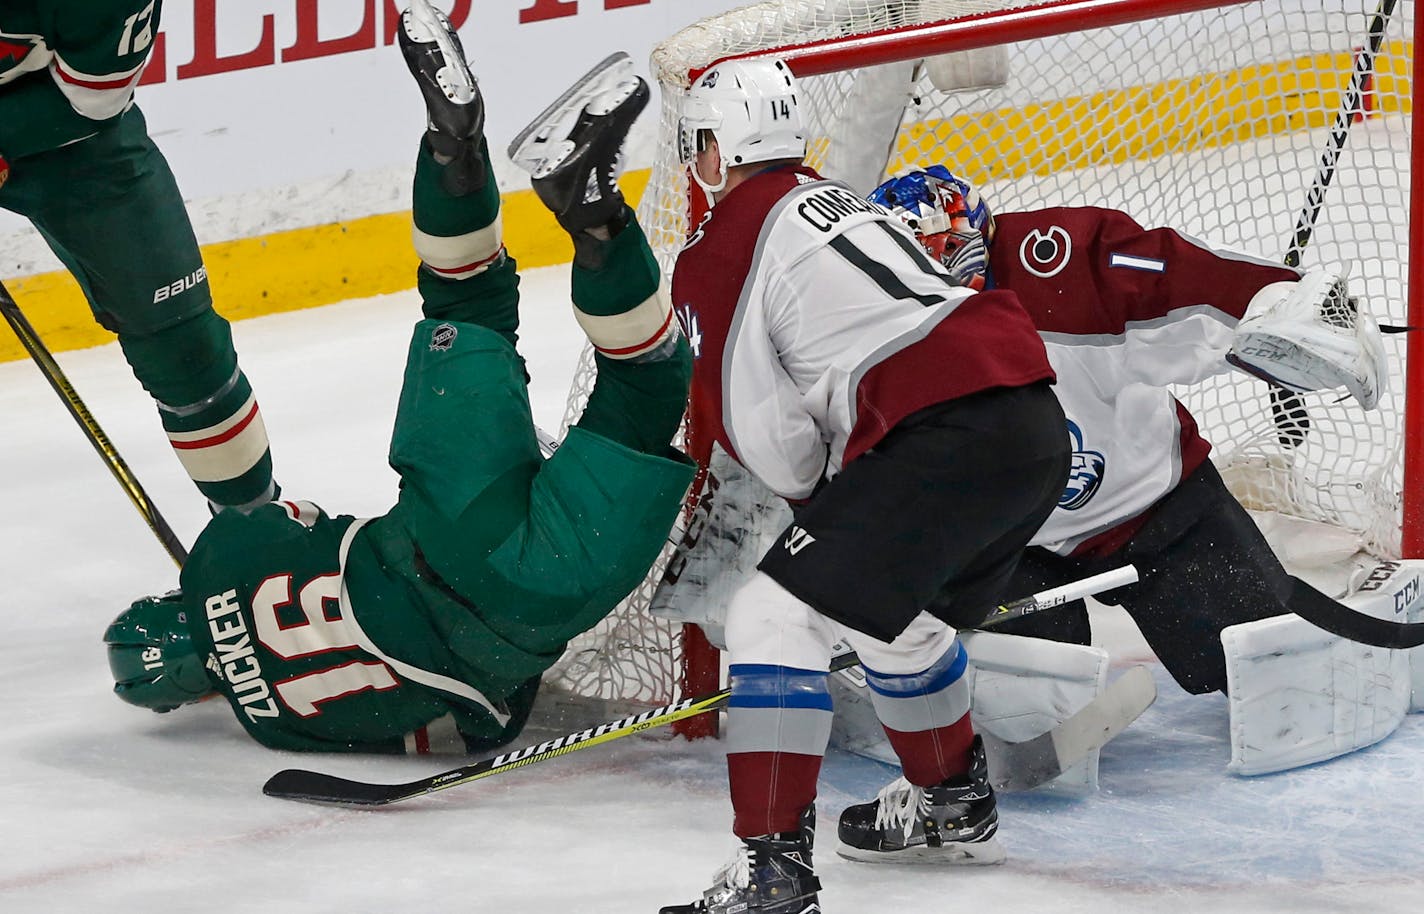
(152, 656)
(750, 107)
(947, 215)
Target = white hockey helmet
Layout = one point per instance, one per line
(750, 107)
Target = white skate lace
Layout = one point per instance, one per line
(897, 804)
(736, 873)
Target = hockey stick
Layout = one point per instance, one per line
(110, 455)
(1338, 619)
(315, 787)
(1287, 408)
(1026, 765)
(1057, 596)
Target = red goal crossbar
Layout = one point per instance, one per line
(978, 30)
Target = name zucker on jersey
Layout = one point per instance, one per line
(236, 661)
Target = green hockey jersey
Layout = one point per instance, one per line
(413, 633)
(67, 67)
(266, 600)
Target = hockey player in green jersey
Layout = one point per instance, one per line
(77, 161)
(428, 627)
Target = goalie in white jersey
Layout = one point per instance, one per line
(1124, 312)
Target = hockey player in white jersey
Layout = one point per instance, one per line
(839, 364)
(1124, 312)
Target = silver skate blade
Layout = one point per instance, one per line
(423, 23)
(1026, 765)
(540, 147)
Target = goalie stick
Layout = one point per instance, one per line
(1338, 619)
(1025, 765)
(110, 455)
(1287, 408)
(315, 787)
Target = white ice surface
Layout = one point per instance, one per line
(108, 808)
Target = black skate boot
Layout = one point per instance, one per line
(573, 150)
(771, 874)
(455, 111)
(952, 822)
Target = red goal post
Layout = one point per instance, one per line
(1212, 118)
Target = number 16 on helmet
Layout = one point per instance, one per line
(152, 657)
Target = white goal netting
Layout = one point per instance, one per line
(1212, 121)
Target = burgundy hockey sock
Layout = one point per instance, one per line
(930, 756)
(778, 724)
(769, 790)
(926, 716)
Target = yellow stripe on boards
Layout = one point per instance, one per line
(1143, 122)
(301, 268)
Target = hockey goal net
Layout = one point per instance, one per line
(1235, 123)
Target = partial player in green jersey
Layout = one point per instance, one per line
(428, 627)
(77, 161)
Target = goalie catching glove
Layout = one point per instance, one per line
(1311, 335)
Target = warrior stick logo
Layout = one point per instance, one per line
(565, 743)
(798, 539)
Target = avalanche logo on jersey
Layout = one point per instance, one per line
(1045, 254)
(1085, 474)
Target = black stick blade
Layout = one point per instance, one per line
(329, 790)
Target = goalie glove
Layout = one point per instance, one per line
(1311, 335)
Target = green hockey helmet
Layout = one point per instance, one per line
(152, 656)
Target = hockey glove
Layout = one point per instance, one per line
(1311, 335)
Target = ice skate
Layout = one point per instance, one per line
(455, 111)
(573, 150)
(771, 874)
(953, 822)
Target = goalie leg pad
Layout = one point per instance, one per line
(1394, 590)
(1022, 687)
(1299, 695)
(1019, 688)
(734, 521)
